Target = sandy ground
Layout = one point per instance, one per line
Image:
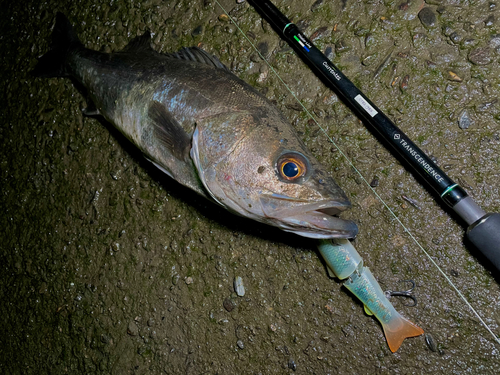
(108, 266)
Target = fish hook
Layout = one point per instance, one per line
(405, 293)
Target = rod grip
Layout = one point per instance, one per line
(485, 236)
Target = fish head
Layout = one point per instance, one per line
(297, 195)
(270, 176)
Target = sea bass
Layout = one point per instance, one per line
(207, 129)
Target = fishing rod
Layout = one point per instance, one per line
(483, 229)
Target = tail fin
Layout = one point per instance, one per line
(399, 329)
(64, 40)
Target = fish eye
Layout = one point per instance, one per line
(290, 169)
(291, 166)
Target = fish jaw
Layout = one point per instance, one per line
(308, 219)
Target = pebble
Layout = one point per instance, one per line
(347, 330)
(455, 37)
(175, 279)
(383, 64)
(263, 76)
(452, 76)
(229, 304)
(486, 106)
(254, 57)
(441, 9)
(464, 120)
(480, 56)
(469, 42)
(411, 201)
(238, 286)
(223, 17)
(132, 329)
(469, 26)
(284, 47)
(316, 5)
(329, 52)
(369, 60)
(495, 42)
(240, 344)
(263, 48)
(265, 26)
(374, 182)
(292, 365)
(427, 17)
(341, 46)
(411, 8)
(429, 340)
(197, 31)
(321, 32)
(303, 24)
(294, 106)
(430, 64)
(490, 21)
(369, 39)
(404, 82)
(447, 30)
(105, 339)
(188, 280)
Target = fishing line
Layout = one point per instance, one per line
(362, 177)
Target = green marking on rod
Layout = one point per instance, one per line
(288, 24)
(450, 188)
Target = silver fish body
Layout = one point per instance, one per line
(207, 129)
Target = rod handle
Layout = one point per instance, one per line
(485, 236)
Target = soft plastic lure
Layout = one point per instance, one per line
(344, 262)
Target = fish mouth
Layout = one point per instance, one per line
(316, 219)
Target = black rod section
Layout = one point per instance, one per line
(484, 229)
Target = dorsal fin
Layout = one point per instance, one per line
(198, 55)
(141, 43)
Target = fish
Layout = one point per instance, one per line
(206, 128)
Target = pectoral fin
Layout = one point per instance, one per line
(169, 131)
(175, 145)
